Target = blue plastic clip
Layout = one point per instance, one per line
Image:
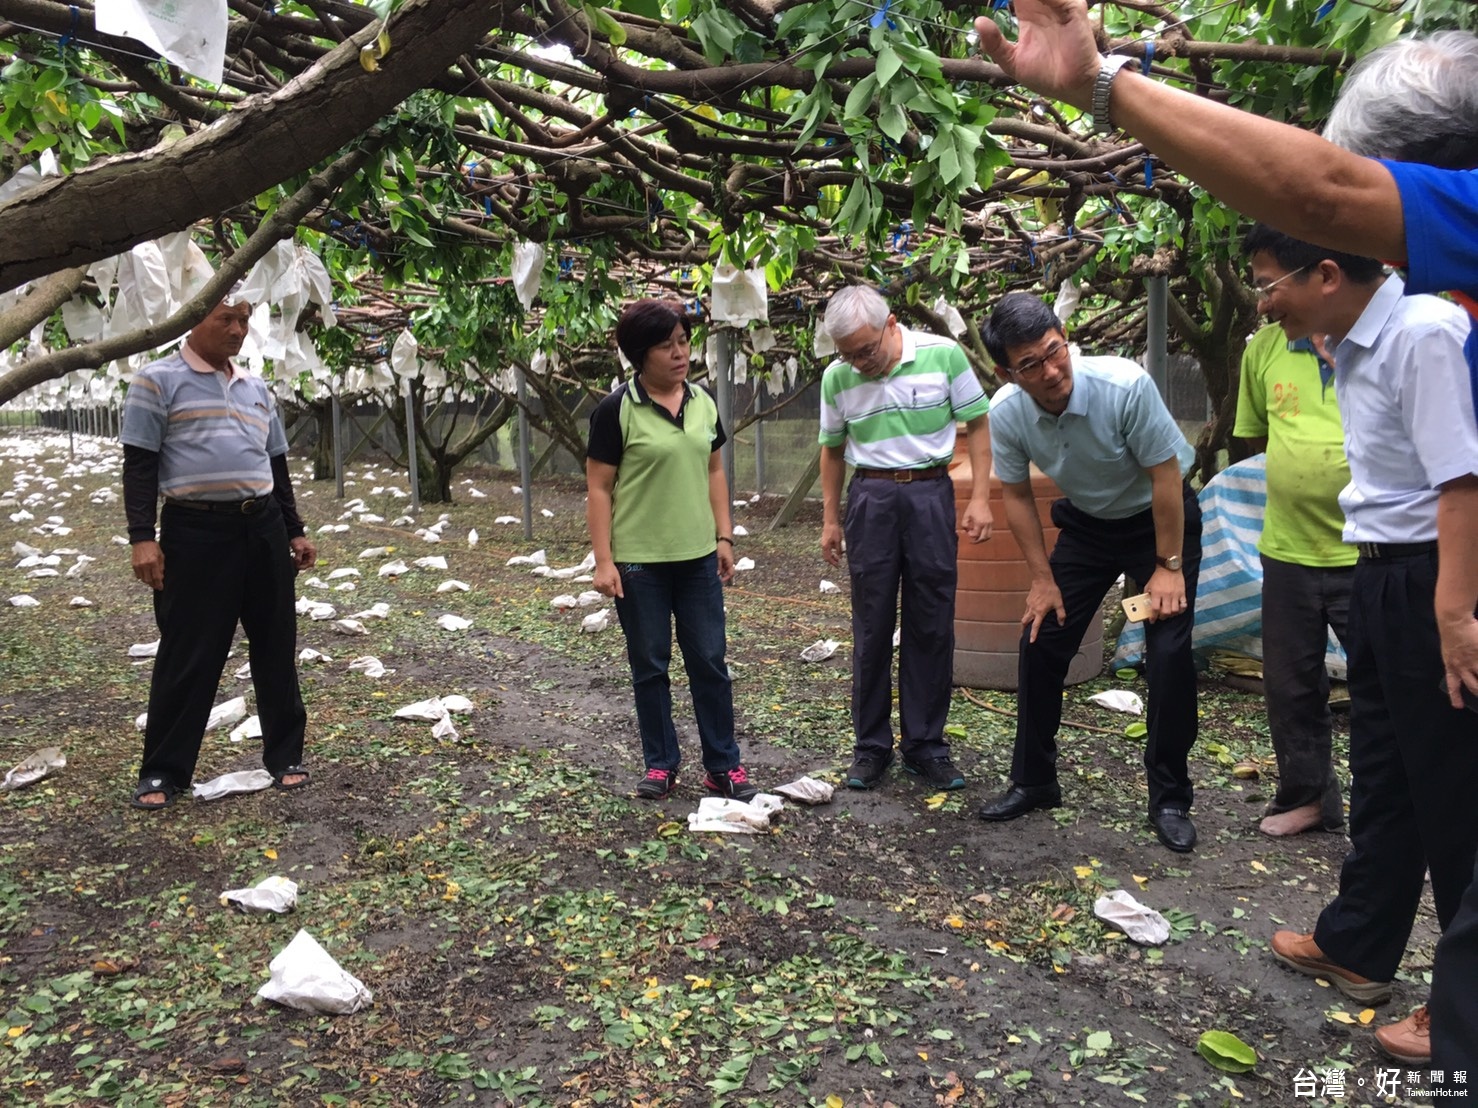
(881, 16)
(66, 39)
(1323, 13)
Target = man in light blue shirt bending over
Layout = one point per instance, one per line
(1098, 427)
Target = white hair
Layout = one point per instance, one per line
(1413, 100)
(852, 309)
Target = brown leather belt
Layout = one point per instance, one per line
(236, 507)
(904, 476)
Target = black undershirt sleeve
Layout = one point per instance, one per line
(282, 489)
(140, 492)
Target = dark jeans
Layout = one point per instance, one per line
(221, 569)
(902, 535)
(1299, 605)
(657, 593)
(1413, 770)
(1088, 558)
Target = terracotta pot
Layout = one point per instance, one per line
(994, 581)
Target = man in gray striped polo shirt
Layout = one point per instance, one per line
(889, 405)
(209, 438)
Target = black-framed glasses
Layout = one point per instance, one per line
(1262, 289)
(1031, 367)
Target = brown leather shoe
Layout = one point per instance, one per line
(1300, 952)
(1410, 1040)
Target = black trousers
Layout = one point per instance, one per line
(221, 569)
(1413, 769)
(902, 535)
(1088, 558)
(1299, 606)
(1454, 1003)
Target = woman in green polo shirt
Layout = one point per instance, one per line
(658, 511)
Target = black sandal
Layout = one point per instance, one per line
(154, 785)
(291, 771)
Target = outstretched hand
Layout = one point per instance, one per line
(1054, 54)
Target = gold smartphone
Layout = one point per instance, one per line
(1137, 608)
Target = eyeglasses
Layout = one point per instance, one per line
(1261, 290)
(867, 353)
(1033, 366)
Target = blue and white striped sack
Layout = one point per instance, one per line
(1229, 595)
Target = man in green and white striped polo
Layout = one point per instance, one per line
(889, 405)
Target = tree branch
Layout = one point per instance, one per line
(278, 226)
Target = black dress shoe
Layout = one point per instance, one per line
(1018, 800)
(1175, 829)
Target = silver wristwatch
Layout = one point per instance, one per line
(1108, 69)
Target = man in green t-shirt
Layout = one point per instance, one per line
(1286, 406)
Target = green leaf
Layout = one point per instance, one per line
(1226, 1052)
(605, 24)
(859, 101)
(893, 122)
(1126, 674)
(1099, 1040)
(955, 730)
(889, 63)
(1136, 730)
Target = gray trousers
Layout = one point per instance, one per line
(1299, 606)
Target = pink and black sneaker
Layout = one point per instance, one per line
(733, 784)
(656, 784)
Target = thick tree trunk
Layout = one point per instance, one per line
(95, 212)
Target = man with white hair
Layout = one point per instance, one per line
(889, 404)
(1412, 99)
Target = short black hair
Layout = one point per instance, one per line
(1019, 318)
(647, 323)
(1295, 254)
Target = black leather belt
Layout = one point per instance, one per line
(904, 476)
(1383, 551)
(245, 507)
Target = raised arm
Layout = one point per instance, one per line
(1282, 175)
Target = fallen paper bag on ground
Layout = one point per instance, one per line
(43, 763)
(1143, 925)
(449, 622)
(428, 710)
(275, 894)
(227, 713)
(457, 705)
(537, 558)
(829, 587)
(242, 781)
(349, 627)
(394, 569)
(444, 728)
(144, 649)
(308, 655)
(1120, 701)
(450, 586)
(807, 790)
(717, 813)
(249, 728)
(596, 621)
(819, 651)
(306, 977)
(370, 666)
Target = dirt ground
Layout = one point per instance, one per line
(534, 936)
